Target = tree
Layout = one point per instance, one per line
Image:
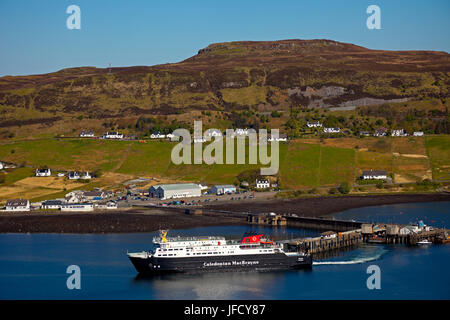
(344, 188)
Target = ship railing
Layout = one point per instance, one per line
(178, 239)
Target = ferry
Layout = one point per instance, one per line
(214, 253)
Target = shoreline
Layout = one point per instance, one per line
(153, 219)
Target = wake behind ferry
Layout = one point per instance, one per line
(191, 254)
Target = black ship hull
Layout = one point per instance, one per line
(257, 262)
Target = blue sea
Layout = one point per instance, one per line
(33, 266)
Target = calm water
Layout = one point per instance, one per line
(33, 266)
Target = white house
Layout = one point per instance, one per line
(1, 165)
(281, 137)
(170, 135)
(374, 174)
(86, 176)
(51, 204)
(223, 189)
(172, 191)
(418, 133)
(313, 124)
(380, 132)
(262, 184)
(43, 173)
(213, 133)
(199, 140)
(77, 207)
(86, 134)
(241, 132)
(113, 135)
(73, 175)
(364, 133)
(157, 136)
(17, 205)
(399, 133)
(331, 130)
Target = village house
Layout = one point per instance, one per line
(313, 124)
(43, 173)
(1, 165)
(171, 191)
(380, 132)
(281, 137)
(86, 134)
(418, 133)
(157, 135)
(399, 133)
(73, 175)
(374, 174)
(113, 135)
(51, 204)
(331, 130)
(262, 184)
(241, 132)
(17, 205)
(213, 133)
(364, 133)
(77, 207)
(86, 176)
(223, 189)
(199, 140)
(74, 196)
(170, 136)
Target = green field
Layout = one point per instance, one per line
(302, 163)
(438, 149)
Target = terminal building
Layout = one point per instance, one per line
(172, 191)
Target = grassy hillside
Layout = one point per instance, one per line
(223, 78)
(304, 163)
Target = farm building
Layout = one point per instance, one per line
(374, 174)
(418, 133)
(171, 191)
(17, 205)
(77, 207)
(51, 204)
(223, 189)
(43, 173)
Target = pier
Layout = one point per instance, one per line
(329, 241)
(342, 234)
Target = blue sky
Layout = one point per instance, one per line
(35, 39)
